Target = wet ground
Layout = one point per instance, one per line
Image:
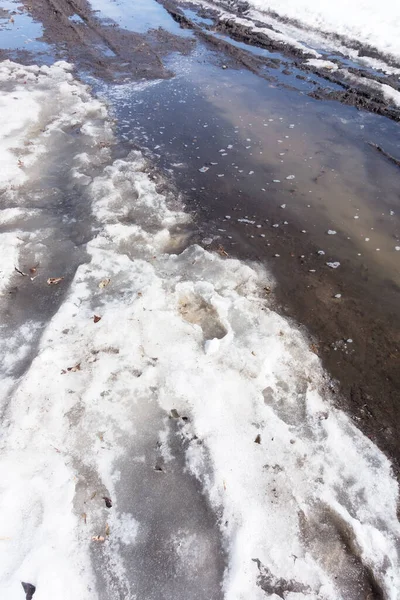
(266, 163)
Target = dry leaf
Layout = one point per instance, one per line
(107, 529)
(258, 439)
(54, 280)
(75, 368)
(98, 538)
(104, 283)
(84, 517)
(222, 251)
(96, 319)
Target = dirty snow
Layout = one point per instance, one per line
(182, 334)
(368, 22)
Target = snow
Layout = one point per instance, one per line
(190, 332)
(322, 64)
(366, 21)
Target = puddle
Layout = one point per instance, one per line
(18, 31)
(274, 133)
(284, 71)
(139, 16)
(196, 18)
(76, 19)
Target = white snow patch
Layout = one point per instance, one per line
(371, 23)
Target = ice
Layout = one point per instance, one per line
(187, 368)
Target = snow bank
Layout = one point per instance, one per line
(298, 490)
(368, 22)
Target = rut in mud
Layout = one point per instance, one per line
(99, 47)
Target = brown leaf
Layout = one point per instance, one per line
(104, 283)
(54, 280)
(107, 529)
(84, 517)
(75, 368)
(96, 319)
(258, 439)
(98, 538)
(221, 250)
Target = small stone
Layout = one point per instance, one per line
(29, 590)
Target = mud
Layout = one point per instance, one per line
(99, 47)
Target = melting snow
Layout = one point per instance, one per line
(189, 334)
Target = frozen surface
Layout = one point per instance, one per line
(163, 381)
